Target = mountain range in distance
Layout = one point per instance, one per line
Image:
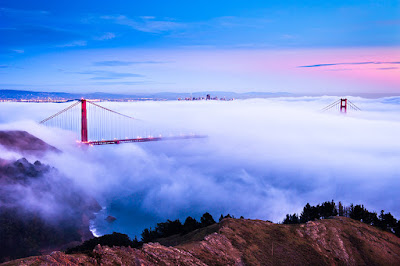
(38, 95)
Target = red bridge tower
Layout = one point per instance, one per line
(84, 129)
(343, 105)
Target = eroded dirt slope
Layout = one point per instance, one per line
(337, 241)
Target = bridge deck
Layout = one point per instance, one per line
(120, 141)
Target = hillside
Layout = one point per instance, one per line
(335, 241)
(40, 209)
(24, 143)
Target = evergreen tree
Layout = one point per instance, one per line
(309, 213)
(169, 228)
(206, 220)
(341, 209)
(291, 219)
(327, 209)
(190, 225)
(146, 236)
(387, 221)
(305, 215)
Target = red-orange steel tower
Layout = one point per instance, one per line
(84, 130)
(343, 105)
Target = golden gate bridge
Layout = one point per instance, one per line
(343, 105)
(111, 127)
(98, 125)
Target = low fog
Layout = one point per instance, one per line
(263, 158)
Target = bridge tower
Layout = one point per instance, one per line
(84, 129)
(123, 129)
(343, 105)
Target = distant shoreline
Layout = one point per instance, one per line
(61, 97)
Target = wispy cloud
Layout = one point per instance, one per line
(14, 11)
(18, 51)
(392, 22)
(7, 28)
(101, 74)
(353, 63)
(122, 83)
(387, 68)
(73, 44)
(105, 36)
(146, 23)
(125, 63)
(235, 22)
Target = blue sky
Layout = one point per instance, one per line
(78, 45)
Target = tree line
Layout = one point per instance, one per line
(161, 230)
(385, 221)
(170, 228)
(327, 209)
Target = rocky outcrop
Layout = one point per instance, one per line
(336, 241)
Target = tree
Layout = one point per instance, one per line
(169, 228)
(190, 225)
(291, 219)
(397, 229)
(357, 212)
(327, 209)
(206, 220)
(340, 209)
(309, 213)
(387, 222)
(146, 236)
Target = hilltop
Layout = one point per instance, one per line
(334, 241)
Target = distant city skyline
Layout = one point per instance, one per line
(307, 47)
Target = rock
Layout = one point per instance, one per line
(110, 219)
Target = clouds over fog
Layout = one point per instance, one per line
(263, 158)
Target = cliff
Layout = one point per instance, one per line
(336, 241)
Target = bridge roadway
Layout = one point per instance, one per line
(120, 141)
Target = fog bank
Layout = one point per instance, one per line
(263, 158)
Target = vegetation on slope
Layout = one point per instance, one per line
(328, 209)
(161, 230)
(384, 221)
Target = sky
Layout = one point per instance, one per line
(300, 47)
(262, 159)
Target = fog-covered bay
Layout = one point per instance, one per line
(262, 158)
